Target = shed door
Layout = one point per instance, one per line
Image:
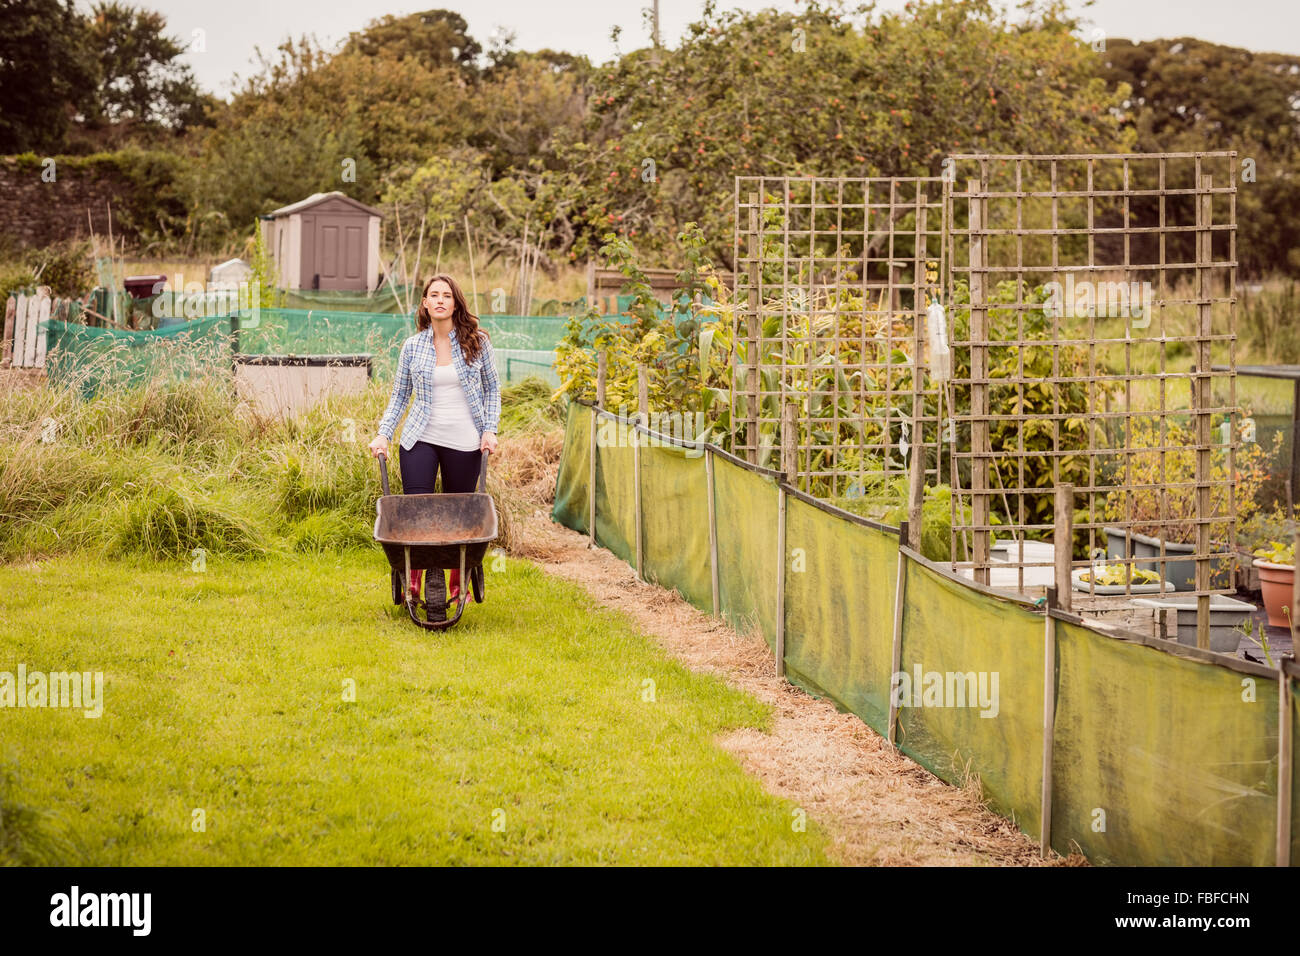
(337, 252)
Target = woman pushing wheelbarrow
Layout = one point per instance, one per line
(447, 371)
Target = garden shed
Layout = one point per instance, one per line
(326, 241)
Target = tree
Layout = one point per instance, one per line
(521, 112)
(141, 78)
(1190, 95)
(46, 73)
(268, 161)
(813, 94)
(403, 109)
(434, 38)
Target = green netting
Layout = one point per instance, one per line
(523, 345)
(615, 503)
(1183, 768)
(572, 482)
(325, 332)
(384, 299)
(1164, 753)
(675, 522)
(973, 640)
(90, 359)
(745, 507)
(839, 593)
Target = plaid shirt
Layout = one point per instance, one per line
(415, 377)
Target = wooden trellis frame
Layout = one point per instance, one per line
(1168, 219)
(836, 268)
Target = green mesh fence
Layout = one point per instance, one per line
(972, 700)
(91, 360)
(1295, 755)
(675, 522)
(394, 299)
(1159, 759)
(524, 346)
(839, 621)
(745, 505)
(615, 502)
(1158, 756)
(573, 478)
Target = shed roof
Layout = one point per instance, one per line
(317, 198)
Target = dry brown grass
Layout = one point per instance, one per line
(13, 379)
(523, 480)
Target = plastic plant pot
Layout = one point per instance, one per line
(1276, 582)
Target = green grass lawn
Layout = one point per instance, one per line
(522, 735)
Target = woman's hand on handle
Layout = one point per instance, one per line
(379, 446)
(488, 443)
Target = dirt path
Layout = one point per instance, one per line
(880, 807)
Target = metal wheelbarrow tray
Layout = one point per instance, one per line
(436, 532)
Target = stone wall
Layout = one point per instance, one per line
(35, 213)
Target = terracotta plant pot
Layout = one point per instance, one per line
(1276, 581)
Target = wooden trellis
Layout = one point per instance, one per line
(1094, 224)
(831, 295)
(831, 285)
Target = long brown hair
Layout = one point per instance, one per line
(464, 321)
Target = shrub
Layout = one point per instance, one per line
(1037, 399)
(1174, 487)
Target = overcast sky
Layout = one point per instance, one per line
(231, 28)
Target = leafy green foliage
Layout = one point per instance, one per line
(142, 80)
(46, 66)
(812, 93)
(263, 279)
(1027, 444)
(1155, 487)
(685, 352)
(1189, 95)
(63, 266)
(1277, 552)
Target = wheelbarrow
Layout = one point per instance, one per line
(436, 532)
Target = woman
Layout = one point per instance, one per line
(448, 366)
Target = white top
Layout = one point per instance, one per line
(451, 424)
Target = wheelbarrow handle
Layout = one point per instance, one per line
(482, 473)
(383, 471)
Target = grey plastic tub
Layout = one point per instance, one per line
(1226, 615)
(1181, 574)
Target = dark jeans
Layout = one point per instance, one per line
(420, 467)
(421, 464)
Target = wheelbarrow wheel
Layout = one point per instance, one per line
(399, 592)
(435, 595)
(476, 582)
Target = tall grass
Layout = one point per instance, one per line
(180, 463)
(1267, 321)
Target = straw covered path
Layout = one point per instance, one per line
(880, 807)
